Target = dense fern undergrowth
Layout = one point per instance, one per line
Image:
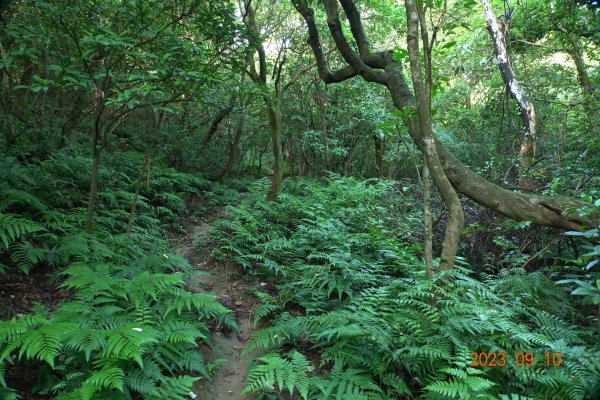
(353, 317)
(129, 330)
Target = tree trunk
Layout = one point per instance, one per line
(89, 225)
(379, 143)
(215, 124)
(233, 148)
(274, 110)
(260, 156)
(428, 220)
(582, 76)
(527, 145)
(324, 132)
(158, 118)
(454, 224)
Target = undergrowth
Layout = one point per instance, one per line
(353, 316)
(130, 329)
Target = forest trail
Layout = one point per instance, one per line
(233, 291)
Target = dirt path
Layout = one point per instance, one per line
(233, 291)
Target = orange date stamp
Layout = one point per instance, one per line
(522, 359)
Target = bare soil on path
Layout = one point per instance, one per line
(232, 289)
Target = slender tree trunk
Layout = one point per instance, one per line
(158, 118)
(136, 193)
(323, 112)
(454, 224)
(428, 220)
(527, 145)
(233, 148)
(582, 76)
(215, 124)
(260, 156)
(239, 129)
(274, 111)
(379, 146)
(89, 225)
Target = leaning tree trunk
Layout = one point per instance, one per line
(497, 31)
(214, 126)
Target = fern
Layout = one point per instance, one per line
(14, 226)
(290, 373)
(24, 255)
(353, 294)
(11, 197)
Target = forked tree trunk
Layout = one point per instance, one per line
(527, 146)
(455, 221)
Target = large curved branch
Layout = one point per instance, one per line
(335, 28)
(315, 44)
(554, 211)
(356, 27)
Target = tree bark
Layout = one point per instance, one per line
(428, 221)
(379, 146)
(272, 102)
(324, 131)
(274, 110)
(576, 54)
(454, 224)
(219, 117)
(89, 225)
(527, 146)
(233, 147)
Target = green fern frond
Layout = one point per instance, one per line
(178, 331)
(289, 373)
(24, 255)
(128, 342)
(45, 341)
(11, 196)
(14, 226)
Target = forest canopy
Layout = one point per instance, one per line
(305, 199)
